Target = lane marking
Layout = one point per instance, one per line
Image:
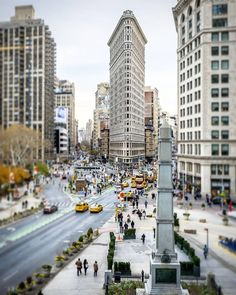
(11, 275)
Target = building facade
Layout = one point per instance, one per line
(27, 69)
(151, 120)
(101, 112)
(105, 139)
(65, 97)
(206, 94)
(88, 131)
(127, 72)
(61, 140)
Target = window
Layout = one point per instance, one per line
(215, 134)
(224, 149)
(226, 169)
(225, 120)
(225, 92)
(219, 22)
(198, 16)
(215, 36)
(224, 106)
(214, 121)
(214, 79)
(215, 50)
(214, 92)
(215, 106)
(213, 169)
(225, 50)
(219, 9)
(214, 149)
(224, 64)
(224, 78)
(225, 36)
(215, 64)
(224, 134)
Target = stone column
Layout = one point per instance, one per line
(164, 267)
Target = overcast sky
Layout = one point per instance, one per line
(81, 29)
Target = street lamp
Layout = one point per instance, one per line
(207, 237)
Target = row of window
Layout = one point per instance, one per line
(219, 149)
(215, 120)
(219, 169)
(197, 96)
(216, 65)
(219, 22)
(217, 36)
(189, 47)
(188, 149)
(215, 92)
(197, 135)
(216, 50)
(224, 78)
(215, 106)
(219, 9)
(189, 123)
(197, 109)
(215, 134)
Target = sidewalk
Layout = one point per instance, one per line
(221, 262)
(8, 208)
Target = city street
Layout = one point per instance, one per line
(35, 240)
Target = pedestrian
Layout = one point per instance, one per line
(143, 238)
(126, 226)
(23, 205)
(137, 204)
(205, 251)
(144, 214)
(132, 224)
(79, 267)
(121, 227)
(85, 263)
(140, 215)
(26, 204)
(133, 204)
(154, 232)
(146, 203)
(95, 268)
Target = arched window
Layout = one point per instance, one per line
(182, 18)
(198, 2)
(190, 10)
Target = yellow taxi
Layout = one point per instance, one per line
(125, 184)
(96, 208)
(133, 184)
(128, 196)
(81, 207)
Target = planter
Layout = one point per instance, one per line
(225, 221)
(186, 216)
(176, 228)
(59, 263)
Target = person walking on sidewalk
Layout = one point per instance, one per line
(205, 251)
(85, 263)
(146, 203)
(95, 268)
(132, 224)
(143, 238)
(79, 267)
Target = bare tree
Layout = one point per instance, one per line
(19, 144)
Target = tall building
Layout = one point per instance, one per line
(27, 68)
(127, 72)
(151, 120)
(65, 97)
(101, 112)
(206, 94)
(88, 130)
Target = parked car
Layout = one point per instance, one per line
(81, 207)
(48, 209)
(95, 208)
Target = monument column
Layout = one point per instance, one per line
(164, 267)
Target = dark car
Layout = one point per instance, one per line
(219, 200)
(50, 209)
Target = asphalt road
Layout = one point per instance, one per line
(35, 240)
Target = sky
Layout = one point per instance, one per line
(82, 28)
